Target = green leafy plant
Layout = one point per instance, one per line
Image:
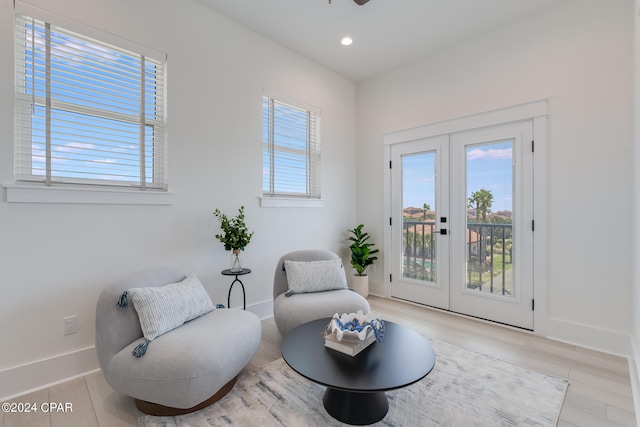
(361, 252)
(235, 234)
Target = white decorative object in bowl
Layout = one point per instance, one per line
(352, 333)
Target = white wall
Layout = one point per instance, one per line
(55, 258)
(635, 363)
(578, 55)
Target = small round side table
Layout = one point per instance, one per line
(229, 272)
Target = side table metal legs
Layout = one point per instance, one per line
(236, 273)
(244, 298)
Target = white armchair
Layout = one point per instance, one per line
(291, 308)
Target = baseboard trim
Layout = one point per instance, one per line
(30, 377)
(607, 341)
(262, 309)
(635, 380)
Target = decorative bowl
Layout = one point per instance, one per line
(355, 327)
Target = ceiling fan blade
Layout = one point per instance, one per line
(361, 2)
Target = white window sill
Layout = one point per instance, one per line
(23, 193)
(286, 202)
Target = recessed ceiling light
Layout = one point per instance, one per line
(346, 41)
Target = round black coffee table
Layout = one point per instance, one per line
(356, 385)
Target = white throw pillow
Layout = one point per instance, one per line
(164, 308)
(314, 276)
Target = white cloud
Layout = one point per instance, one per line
(478, 153)
(74, 147)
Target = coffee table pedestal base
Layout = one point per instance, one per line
(356, 408)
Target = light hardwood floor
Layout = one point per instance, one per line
(599, 393)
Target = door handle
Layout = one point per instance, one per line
(441, 231)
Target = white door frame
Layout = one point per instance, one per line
(535, 111)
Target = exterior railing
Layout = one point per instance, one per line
(489, 257)
(419, 250)
(488, 251)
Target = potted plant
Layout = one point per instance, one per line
(235, 236)
(361, 258)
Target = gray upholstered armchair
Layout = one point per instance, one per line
(291, 309)
(184, 369)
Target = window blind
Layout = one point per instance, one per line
(86, 111)
(291, 149)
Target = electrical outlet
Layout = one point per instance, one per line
(70, 325)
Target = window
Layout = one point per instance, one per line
(291, 149)
(87, 111)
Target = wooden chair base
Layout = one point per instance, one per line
(157, 410)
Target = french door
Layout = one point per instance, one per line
(462, 215)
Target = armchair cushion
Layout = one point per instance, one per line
(164, 308)
(291, 312)
(315, 276)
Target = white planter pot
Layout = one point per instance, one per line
(360, 284)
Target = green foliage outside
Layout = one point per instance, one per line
(480, 267)
(481, 200)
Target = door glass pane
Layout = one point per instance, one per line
(489, 218)
(418, 216)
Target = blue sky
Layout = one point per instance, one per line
(95, 92)
(489, 166)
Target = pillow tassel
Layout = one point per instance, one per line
(141, 349)
(122, 301)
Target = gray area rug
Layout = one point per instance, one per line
(464, 389)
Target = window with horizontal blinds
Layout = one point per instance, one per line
(87, 111)
(291, 149)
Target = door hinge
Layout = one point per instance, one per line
(390, 277)
(533, 146)
(390, 221)
(533, 305)
(389, 164)
(533, 225)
